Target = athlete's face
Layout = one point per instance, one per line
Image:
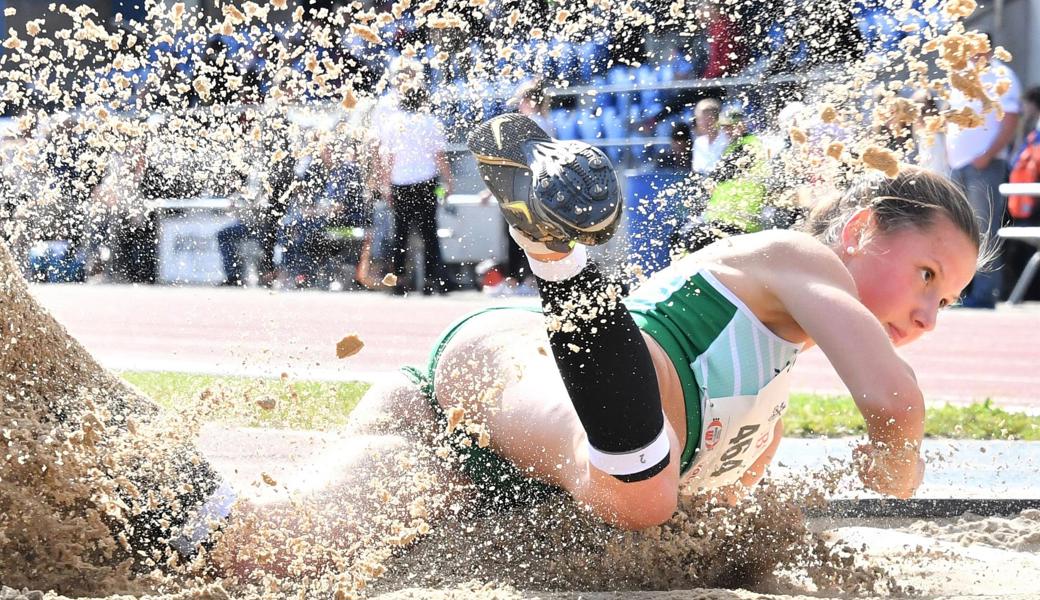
(906, 276)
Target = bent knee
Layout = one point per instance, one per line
(395, 407)
(643, 515)
(473, 373)
(635, 506)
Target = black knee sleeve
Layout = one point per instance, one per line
(609, 374)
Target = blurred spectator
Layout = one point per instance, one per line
(1030, 120)
(116, 197)
(740, 177)
(363, 128)
(1025, 209)
(930, 145)
(257, 220)
(746, 195)
(413, 148)
(679, 154)
(351, 209)
(979, 161)
(726, 52)
(1025, 166)
(710, 142)
(58, 224)
(135, 230)
(307, 215)
(531, 101)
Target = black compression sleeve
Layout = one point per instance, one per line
(608, 372)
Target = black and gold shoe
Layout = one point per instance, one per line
(554, 192)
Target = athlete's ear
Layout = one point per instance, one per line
(856, 231)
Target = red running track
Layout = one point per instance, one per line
(972, 355)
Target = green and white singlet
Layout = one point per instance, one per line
(732, 368)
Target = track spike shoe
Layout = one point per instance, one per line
(554, 192)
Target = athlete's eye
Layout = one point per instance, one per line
(927, 274)
(943, 303)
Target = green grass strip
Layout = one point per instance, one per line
(241, 400)
(324, 405)
(810, 415)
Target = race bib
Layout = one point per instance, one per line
(736, 431)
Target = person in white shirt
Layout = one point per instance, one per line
(931, 146)
(412, 144)
(978, 159)
(710, 142)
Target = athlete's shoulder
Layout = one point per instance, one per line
(790, 243)
(786, 252)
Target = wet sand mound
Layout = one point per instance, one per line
(1021, 534)
(67, 490)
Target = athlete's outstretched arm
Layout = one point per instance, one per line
(818, 292)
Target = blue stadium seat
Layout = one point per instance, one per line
(635, 117)
(665, 126)
(684, 68)
(648, 111)
(614, 128)
(494, 106)
(567, 63)
(620, 75)
(666, 72)
(566, 123)
(613, 125)
(888, 31)
(593, 58)
(870, 27)
(647, 75)
(589, 127)
(598, 100)
(634, 120)
(639, 154)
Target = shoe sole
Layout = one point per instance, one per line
(565, 190)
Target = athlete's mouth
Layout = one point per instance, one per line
(895, 334)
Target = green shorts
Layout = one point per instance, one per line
(500, 484)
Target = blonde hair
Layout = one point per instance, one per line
(913, 198)
(708, 105)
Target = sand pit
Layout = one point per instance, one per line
(555, 551)
(927, 566)
(418, 540)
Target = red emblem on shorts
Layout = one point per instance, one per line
(712, 434)
(762, 439)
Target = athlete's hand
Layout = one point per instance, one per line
(891, 471)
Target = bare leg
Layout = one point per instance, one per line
(377, 486)
(394, 406)
(363, 270)
(499, 370)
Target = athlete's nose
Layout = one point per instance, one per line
(924, 317)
